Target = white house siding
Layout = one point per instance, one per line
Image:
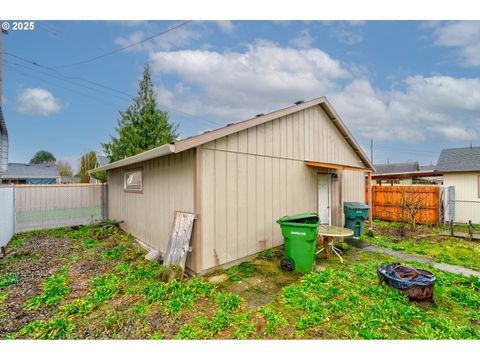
(168, 185)
(467, 201)
(253, 177)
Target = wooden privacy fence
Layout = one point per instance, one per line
(56, 205)
(401, 203)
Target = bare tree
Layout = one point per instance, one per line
(413, 200)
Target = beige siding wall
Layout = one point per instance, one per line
(168, 185)
(252, 178)
(466, 188)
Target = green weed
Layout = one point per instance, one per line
(55, 289)
(228, 301)
(114, 253)
(8, 279)
(104, 288)
(275, 321)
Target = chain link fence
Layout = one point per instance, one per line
(459, 211)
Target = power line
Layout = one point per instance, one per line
(60, 86)
(125, 47)
(60, 78)
(129, 96)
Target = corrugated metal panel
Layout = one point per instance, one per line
(168, 185)
(258, 175)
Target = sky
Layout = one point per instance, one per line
(411, 86)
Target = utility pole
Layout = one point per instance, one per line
(370, 189)
(2, 31)
(371, 150)
(1, 56)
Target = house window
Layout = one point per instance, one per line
(132, 181)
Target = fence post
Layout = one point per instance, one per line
(470, 231)
(14, 190)
(104, 200)
(451, 203)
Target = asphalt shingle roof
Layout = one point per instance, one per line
(101, 159)
(396, 168)
(33, 171)
(459, 160)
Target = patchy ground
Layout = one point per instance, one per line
(93, 283)
(427, 242)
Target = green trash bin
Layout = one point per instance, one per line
(355, 215)
(300, 233)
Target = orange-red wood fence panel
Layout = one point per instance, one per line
(394, 203)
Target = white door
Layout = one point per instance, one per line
(324, 199)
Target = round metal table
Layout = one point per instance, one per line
(330, 234)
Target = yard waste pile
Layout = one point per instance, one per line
(418, 283)
(300, 232)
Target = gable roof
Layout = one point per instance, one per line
(396, 167)
(206, 137)
(101, 159)
(459, 160)
(30, 171)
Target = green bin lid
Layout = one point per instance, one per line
(305, 215)
(355, 205)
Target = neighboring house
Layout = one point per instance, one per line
(461, 169)
(410, 173)
(101, 160)
(3, 143)
(69, 179)
(30, 174)
(395, 168)
(239, 180)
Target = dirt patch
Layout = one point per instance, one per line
(39, 257)
(81, 272)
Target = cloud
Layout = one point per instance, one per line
(239, 84)
(342, 31)
(430, 108)
(464, 36)
(226, 26)
(234, 85)
(303, 40)
(348, 32)
(37, 101)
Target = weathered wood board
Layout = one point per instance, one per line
(179, 241)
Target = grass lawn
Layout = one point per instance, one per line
(428, 243)
(93, 283)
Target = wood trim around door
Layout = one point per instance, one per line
(197, 201)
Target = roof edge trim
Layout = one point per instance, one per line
(144, 156)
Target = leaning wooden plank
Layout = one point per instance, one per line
(179, 241)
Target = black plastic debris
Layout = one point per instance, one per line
(418, 283)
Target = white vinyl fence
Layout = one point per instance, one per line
(36, 207)
(7, 214)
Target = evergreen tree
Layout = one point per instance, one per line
(43, 157)
(142, 126)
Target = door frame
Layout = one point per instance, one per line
(329, 189)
